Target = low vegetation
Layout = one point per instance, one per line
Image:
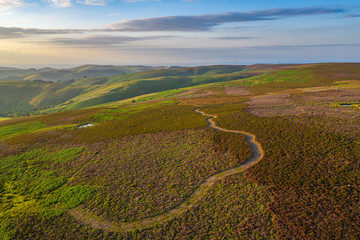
(31, 183)
(18, 129)
(145, 155)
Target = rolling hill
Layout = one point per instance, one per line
(279, 160)
(54, 75)
(28, 97)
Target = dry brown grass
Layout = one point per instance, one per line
(212, 100)
(273, 105)
(237, 91)
(196, 93)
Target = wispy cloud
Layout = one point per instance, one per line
(100, 40)
(352, 15)
(60, 3)
(69, 3)
(132, 1)
(93, 2)
(169, 23)
(208, 22)
(8, 4)
(14, 32)
(232, 38)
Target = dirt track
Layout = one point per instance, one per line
(100, 223)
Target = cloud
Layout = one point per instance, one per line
(99, 40)
(132, 1)
(8, 4)
(14, 32)
(69, 3)
(168, 23)
(93, 2)
(208, 22)
(352, 15)
(232, 38)
(60, 3)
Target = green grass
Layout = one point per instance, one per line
(69, 197)
(161, 95)
(125, 111)
(4, 119)
(21, 98)
(312, 75)
(32, 185)
(65, 155)
(13, 130)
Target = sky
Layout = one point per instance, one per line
(37, 33)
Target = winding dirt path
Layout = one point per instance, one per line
(100, 223)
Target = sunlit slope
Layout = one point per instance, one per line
(110, 89)
(307, 75)
(15, 74)
(29, 97)
(86, 71)
(26, 97)
(70, 74)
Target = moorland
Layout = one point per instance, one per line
(127, 156)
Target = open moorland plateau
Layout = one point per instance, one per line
(213, 152)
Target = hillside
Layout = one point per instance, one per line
(54, 75)
(28, 97)
(16, 74)
(86, 71)
(279, 160)
(20, 98)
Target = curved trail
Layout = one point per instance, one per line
(100, 223)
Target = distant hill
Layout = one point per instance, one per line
(24, 97)
(86, 71)
(54, 75)
(16, 74)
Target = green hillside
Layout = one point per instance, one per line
(54, 75)
(20, 98)
(86, 71)
(15, 74)
(281, 160)
(110, 89)
(28, 97)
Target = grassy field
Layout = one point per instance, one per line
(142, 158)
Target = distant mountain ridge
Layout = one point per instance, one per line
(48, 74)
